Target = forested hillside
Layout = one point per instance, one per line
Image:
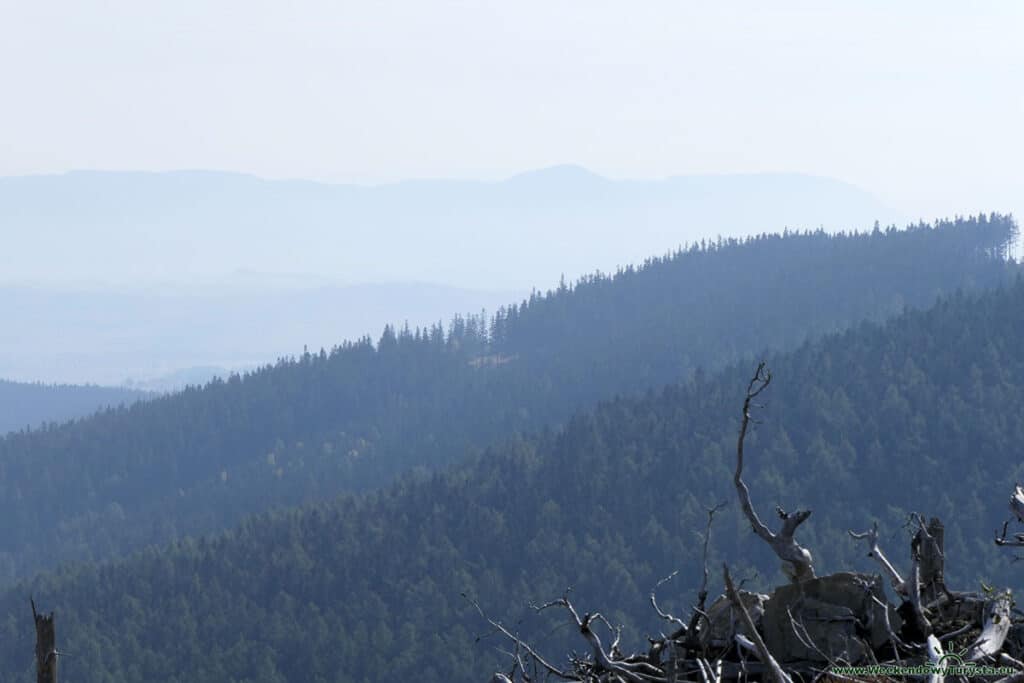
(24, 405)
(923, 413)
(311, 427)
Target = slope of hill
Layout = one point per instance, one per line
(130, 227)
(924, 413)
(309, 428)
(108, 335)
(24, 405)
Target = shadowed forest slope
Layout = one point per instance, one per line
(923, 413)
(353, 418)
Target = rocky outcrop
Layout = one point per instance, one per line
(836, 617)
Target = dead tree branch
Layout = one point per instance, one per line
(874, 551)
(995, 628)
(702, 594)
(797, 562)
(935, 654)
(1017, 508)
(827, 616)
(635, 672)
(46, 646)
(1017, 503)
(778, 675)
(521, 644)
(921, 622)
(664, 615)
(1016, 542)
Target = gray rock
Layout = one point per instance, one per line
(838, 614)
(726, 622)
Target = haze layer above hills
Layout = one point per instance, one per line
(163, 278)
(120, 227)
(29, 405)
(163, 338)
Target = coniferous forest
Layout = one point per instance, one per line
(311, 427)
(320, 519)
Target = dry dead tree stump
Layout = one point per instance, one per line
(46, 646)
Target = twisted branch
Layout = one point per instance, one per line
(796, 560)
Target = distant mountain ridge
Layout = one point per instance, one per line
(129, 227)
(30, 405)
(110, 335)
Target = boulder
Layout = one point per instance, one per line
(726, 622)
(836, 611)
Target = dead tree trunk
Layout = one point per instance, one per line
(46, 646)
(933, 580)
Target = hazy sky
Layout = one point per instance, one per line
(919, 102)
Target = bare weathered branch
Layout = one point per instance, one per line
(702, 594)
(804, 636)
(871, 536)
(636, 672)
(1017, 503)
(957, 633)
(924, 626)
(894, 639)
(934, 650)
(706, 673)
(521, 644)
(745, 643)
(797, 562)
(1006, 660)
(994, 629)
(933, 559)
(825, 618)
(665, 615)
(1017, 508)
(1016, 542)
(778, 675)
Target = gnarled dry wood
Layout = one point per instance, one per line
(636, 672)
(1017, 503)
(46, 646)
(1017, 508)
(665, 615)
(933, 559)
(776, 671)
(922, 623)
(702, 594)
(797, 562)
(932, 613)
(521, 644)
(874, 551)
(994, 629)
(1016, 542)
(934, 649)
(1006, 660)
(894, 639)
(928, 546)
